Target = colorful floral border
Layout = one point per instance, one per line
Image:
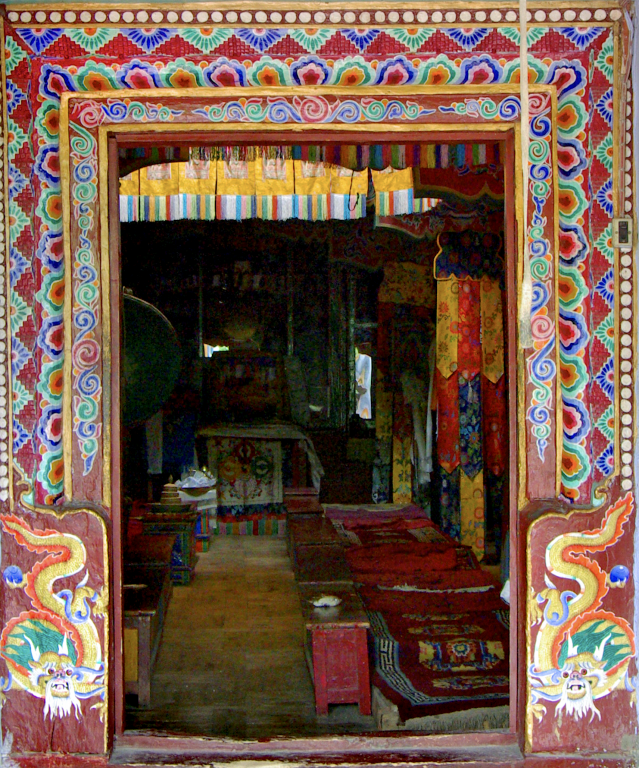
(577, 60)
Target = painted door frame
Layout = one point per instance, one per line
(242, 134)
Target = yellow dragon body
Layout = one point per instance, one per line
(581, 652)
(53, 651)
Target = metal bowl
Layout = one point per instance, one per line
(197, 491)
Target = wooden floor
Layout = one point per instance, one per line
(232, 658)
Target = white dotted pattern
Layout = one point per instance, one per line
(4, 358)
(345, 15)
(626, 329)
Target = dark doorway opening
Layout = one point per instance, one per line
(192, 318)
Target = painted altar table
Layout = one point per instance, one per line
(248, 461)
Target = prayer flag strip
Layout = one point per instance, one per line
(240, 207)
(402, 201)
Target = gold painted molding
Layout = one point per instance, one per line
(302, 91)
(67, 312)
(68, 98)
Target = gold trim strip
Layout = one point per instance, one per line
(359, 128)
(522, 463)
(210, 128)
(104, 131)
(106, 555)
(105, 271)
(67, 411)
(222, 94)
(617, 143)
(500, 127)
(559, 403)
(528, 714)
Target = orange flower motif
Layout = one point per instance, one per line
(54, 206)
(269, 76)
(569, 374)
(56, 473)
(438, 75)
(183, 79)
(96, 82)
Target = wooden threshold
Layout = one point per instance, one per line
(497, 748)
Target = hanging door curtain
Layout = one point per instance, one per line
(273, 189)
(310, 183)
(471, 405)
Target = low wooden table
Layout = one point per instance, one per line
(302, 500)
(311, 528)
(338, 647)
(146, 596)
(149, 551)
(182, 526)
(307, 529)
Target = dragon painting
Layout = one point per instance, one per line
(581, 652)
(53, 651)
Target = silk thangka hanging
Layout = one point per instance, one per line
(471, 404)
(406, 301)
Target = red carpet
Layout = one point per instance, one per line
(439, 629)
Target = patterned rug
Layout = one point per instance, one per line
(429, 659)
(393, 531)
(439, 630)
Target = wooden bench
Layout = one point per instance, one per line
(336, 644)
(337, 649)
(308, 529)
(320, 563)
(146, 596)
(302, 500)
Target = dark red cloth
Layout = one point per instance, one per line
(456, 578)
(404, 558)
(470, 185)
(372, 532)
(439, 629)
(468, 339)
(495, 425)
(448, 452)
(374, 513)
(440, 651)
(450, 596)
